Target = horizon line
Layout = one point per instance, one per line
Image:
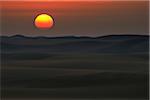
(26, 36)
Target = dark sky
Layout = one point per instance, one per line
(76, 18)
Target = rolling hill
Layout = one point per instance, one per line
(127, 44)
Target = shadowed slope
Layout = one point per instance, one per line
(104, 44)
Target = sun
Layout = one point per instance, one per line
(44, 21)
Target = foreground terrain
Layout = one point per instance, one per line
(75, 68)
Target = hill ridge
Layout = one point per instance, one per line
(73, 37)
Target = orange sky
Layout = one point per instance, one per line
(76, 18)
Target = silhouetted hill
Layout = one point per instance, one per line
(75, 37)
(114, 67)
(69, 44)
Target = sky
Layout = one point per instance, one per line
(76, 18)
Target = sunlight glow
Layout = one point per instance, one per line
(44, 21)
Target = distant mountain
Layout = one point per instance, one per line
(71, 44)
(75, 37)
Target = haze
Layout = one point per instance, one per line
(80, 18)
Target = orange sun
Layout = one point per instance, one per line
(44, 21)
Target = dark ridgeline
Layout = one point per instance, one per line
(106, 44)
(107, 67)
